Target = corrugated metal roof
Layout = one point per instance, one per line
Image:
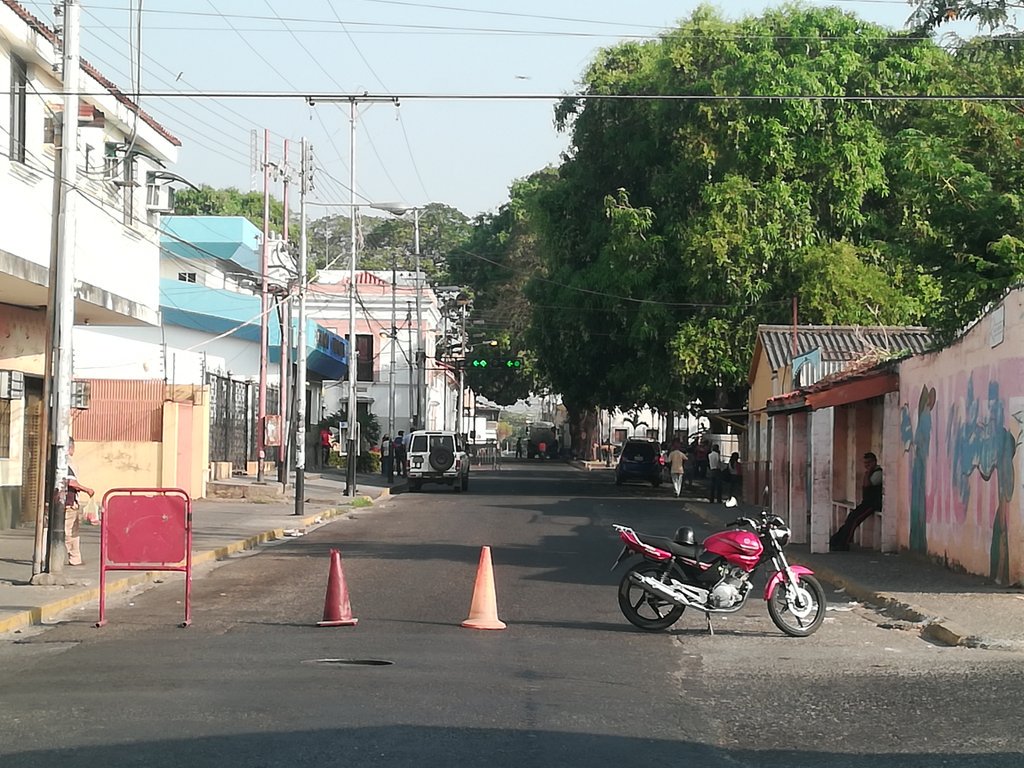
(840, 344)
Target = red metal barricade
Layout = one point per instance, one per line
(146, 529)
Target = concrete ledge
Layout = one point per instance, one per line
(590, 466)
(220, 470)
(252, 468)
(227, 489)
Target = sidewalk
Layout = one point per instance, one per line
(948, 608)
(221, 528)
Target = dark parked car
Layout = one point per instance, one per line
(640, 461)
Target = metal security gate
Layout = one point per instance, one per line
(234, 406)
(232, 413)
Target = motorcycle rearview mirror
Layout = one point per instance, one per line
(731, 502)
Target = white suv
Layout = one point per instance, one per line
(438, 457)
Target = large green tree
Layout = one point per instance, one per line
(495, 263)
(727, 168)
(210, 201)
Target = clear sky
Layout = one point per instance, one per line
(463, 153)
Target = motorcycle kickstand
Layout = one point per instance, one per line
(711, 629)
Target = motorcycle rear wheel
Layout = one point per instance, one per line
(798, 615)
(644, 610)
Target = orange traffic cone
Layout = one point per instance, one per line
(483, 613)
(337, 609)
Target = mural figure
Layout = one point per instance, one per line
(981, 442)
(918, 443)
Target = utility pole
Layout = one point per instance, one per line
(462, 376)
(353, 404)
(299, 402)
(421, 377)
(412, 369)
(353, 422)
(61, 311)
(284, 311)
(394, 342)
(261, 415)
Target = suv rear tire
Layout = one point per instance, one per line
(441, 458)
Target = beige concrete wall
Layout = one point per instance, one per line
(103, 466)
(120, 464)
(959, 475)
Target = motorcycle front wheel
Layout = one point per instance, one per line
(644, 610)
(798, 611)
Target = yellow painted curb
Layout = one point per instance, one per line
(43, 613)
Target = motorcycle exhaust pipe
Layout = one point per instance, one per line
(655, 587)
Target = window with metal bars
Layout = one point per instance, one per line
(5, 429)
(364, 357)
(19, 101)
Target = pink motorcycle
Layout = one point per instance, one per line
(715, 577)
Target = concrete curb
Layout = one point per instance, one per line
(48, 611)
(934, 628)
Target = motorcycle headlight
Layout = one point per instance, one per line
(781, 534)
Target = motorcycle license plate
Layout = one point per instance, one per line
(622, 556)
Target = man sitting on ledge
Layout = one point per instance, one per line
(871, 502)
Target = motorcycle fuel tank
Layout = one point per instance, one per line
(741, 548)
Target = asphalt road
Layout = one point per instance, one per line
(569, 683)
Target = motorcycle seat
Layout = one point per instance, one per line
(688, 551)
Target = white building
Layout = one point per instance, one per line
(378, 343)
(116, 243)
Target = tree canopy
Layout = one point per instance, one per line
(728, 167)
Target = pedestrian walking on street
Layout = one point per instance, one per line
(715, 475)
(519, 448)
(676, 464)
(871, 502)
(72, 511)
(325, 446)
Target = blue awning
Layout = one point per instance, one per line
(230, 239)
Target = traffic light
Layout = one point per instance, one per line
(481, 363)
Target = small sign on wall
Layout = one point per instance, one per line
(998, 326)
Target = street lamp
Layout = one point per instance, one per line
(400, 209)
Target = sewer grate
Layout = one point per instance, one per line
(353, 662)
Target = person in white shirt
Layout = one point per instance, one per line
(676, 463)
(715, 475)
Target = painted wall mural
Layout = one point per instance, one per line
(961, 439)
(917, 441)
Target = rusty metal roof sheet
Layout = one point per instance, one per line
(840, 344)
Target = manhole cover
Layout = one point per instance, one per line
(353, 662)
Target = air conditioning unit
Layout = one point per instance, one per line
(12, 385)
(159, 197)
